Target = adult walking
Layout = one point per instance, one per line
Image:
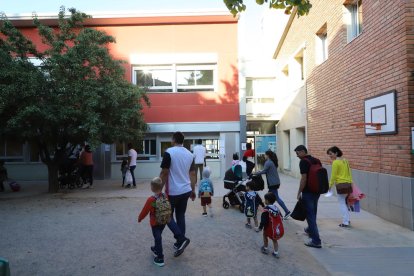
(86, 170)
(248, 157)
(309, 199)
(341, 177)
(273, 181)
(179, 177)
(132, 163)
(199, 157)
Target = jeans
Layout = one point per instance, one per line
(199, 168)
(249, 167)
(179, 206)
(157, 233)
(344, 208)
(131, 169)
(311, 204)
(279, 200)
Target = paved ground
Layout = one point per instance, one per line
(94, 232)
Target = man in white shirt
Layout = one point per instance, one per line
(132, 163)
(199, 157)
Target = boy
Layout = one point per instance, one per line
(159, 209)
(251, 204)
(206, 191)
(3, 175)
(271, 223)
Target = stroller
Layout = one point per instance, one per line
(69, 174)
(234, 182)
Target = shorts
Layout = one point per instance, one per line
(205, 201)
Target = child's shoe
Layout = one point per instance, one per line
(204, 214)
(264, 250)
(275, 254)
(248, 225)
(159, 261)
(257, 229)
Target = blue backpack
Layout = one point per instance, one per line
(250, 207)
(205, 187)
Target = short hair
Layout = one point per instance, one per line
(270, 197)
(129, 145)
(249, 146)
(156, 183)
(199, 141)
(336, 150)
(235, 156)
(301, 148)
(178, 137)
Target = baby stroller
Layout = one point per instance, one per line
(69, 174)
(234, 182)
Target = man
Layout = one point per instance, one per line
(199, 157)
(86, 171)
(179, 177)
(309, 199)
(132, 163)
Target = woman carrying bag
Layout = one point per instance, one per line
(341, 177)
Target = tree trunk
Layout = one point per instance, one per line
(53, 178)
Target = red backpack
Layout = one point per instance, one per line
(274, 228)
(317, 180)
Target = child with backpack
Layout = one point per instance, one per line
(252, 200)
(159, 208)
(271, 224)
(206, 191)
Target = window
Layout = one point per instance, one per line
(212, 147)
(353, 18)
(11, 151)
(176, 77)
(144, 148)
(322, 44)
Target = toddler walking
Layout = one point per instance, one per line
(206, 191)
(252, 200)
(271, 224)
(124, 169)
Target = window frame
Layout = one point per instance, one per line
(354, 19)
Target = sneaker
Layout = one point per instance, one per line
(275, 254)
(85, 186)
(176, 244)
(257, 229)
(264, 250)
(344, 225)
(181, 247)
(312, 244)
(287, 215)
(159, 261)
(204, 214)
(153, 251)
(248, 225)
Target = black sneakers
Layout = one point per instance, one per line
(159, 261)
(181, 247)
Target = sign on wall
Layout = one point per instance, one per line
(381, 110)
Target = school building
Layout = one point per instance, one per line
(349, 67)
(189, 63)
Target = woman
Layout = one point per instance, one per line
(341, 177)
(86, 161)
(248, 157)
(273, 180)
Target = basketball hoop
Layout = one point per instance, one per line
(374, 126)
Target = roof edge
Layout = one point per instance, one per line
(285, 32)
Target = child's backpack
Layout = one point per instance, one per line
(274, 229)
(317, 181)
(162, 208)
(205, 188)
(250, 208)
(14, 186)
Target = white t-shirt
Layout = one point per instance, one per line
(133, 154)
(199, 154)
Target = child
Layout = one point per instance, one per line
(3, 175)
(159, 209)
(251, 204)
(206, 191)
(271, 223)
(124, 168)
(235, 160)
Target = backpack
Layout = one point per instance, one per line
(274, 229)
(250, 208)
(162, 208)
(317, 180)
(205, 187)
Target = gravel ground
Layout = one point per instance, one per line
(88, 235)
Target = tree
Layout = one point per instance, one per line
(303, 6)
(77, 94)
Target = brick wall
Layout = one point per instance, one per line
(380, 59)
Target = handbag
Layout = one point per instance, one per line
(299, 212)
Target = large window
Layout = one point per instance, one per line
(146, 149)
(176, 77)
(353, 18)
(11, 151)
(212, 147)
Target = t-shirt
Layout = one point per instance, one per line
(86, 158)
(341, 172)
(304, 167)
(133, 154)
(180, 162)
(199, 154)
(248, 155)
